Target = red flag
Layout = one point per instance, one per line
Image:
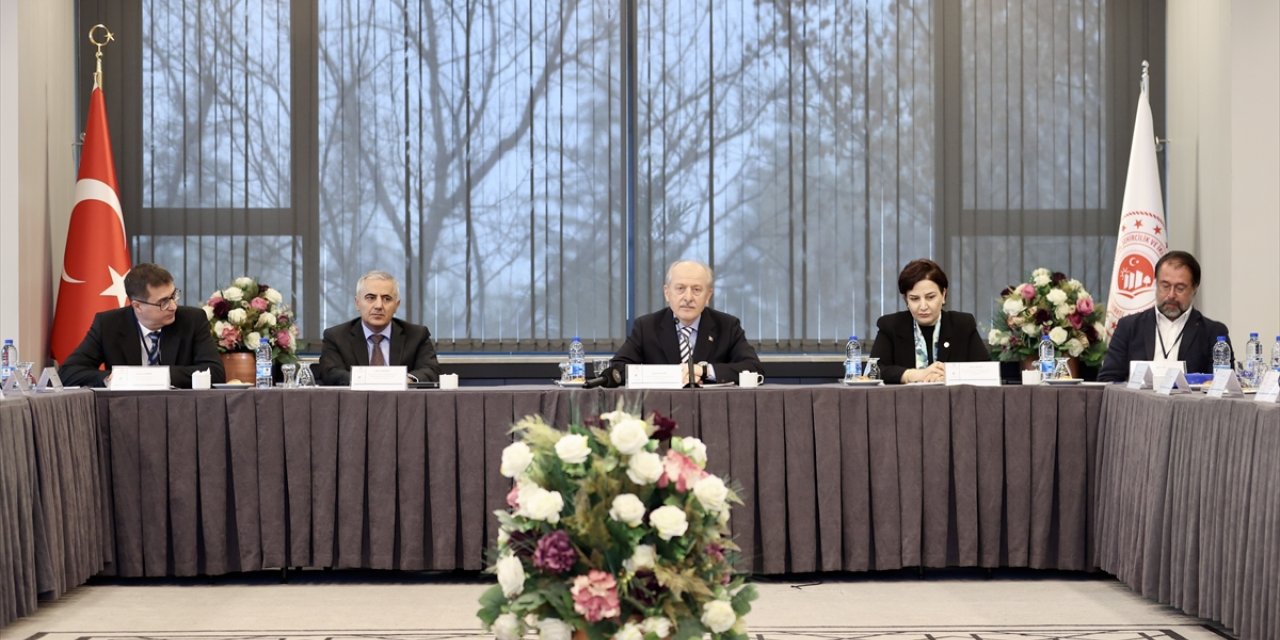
(97, 254)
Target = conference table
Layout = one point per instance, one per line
(834, 479)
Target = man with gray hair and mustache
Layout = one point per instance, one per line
(377, 338)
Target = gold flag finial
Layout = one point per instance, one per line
(109, 37)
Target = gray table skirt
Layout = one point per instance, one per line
(834, 479)
(51, 523)
(1189, 504)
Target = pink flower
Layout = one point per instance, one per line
(1084, 306)
(284, 339)
(1075, 320)
(681, 469)
(595, 596)
(260, 304)
(229, 338)
(1028, 291)
(513, 496)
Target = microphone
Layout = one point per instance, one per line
(612, 377)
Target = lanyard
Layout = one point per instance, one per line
(1160, 335)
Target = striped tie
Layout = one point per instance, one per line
(153, 350)
(686, 343)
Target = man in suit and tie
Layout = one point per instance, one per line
(710, 346)
(152, 330)
(1171, 331)
(377, 338)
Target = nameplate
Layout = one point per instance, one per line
(130, 378)
(654, 376)
(1140, 376)
(49, 380)
(1171, 380)
(11, 383)
(380, 378)
(1269, 388)
(1225, 384)
(979, 374)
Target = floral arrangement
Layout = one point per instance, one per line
(610, 536)
(1054, 304)
(247, 310)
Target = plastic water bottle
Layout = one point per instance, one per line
(1253, 360)
(9, 360)
(1047, 357)
(852, 359)
(1221, 354)
(577, 361)
(1275, 355)
(262, 358)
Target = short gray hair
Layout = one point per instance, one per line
(711, 277)
(377, 274)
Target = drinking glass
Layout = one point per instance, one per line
(565, 376)
(873, 369)
(599, 365)
(290, 374)
(305, 377)
(25, 381)
(1062, 370)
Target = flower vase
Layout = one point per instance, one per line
(239, 366)
(1033, 364)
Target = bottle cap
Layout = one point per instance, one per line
(1253, 334)
(1222, 338)
(853, 337)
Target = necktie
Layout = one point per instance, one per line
(153, 349)
(686, 343)
(376, 359)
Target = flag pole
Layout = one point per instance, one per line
(109, 37)
(1146, 79)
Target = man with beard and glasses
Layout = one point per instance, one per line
(1171, 331)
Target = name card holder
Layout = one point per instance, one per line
(1140, 376)
(11, 384)
(1269, 389)
(131, 378)
(654, 376)
(1171, 381)
(380, 378)
(979, 374)
(1225, 385)
(49, 380)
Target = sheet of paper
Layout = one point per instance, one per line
(380, 378)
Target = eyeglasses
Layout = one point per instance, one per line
(164, 303)
(1165, 288)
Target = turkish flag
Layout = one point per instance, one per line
(97, 254)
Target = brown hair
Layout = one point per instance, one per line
(918, 270)
(1181, 259)
(142, 276)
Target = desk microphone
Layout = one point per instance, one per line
(611, 378)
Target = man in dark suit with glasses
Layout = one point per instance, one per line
(153, 330)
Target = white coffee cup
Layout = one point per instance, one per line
(1031, 377)
(448, 381)
(750, 379)
(201, 380)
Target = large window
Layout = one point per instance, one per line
(528, 169)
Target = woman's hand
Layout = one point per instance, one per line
(935, 372)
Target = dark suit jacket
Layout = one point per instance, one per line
(345, 346)
(1135, 339)
(896, 343)
(186, 346)
(721, 343)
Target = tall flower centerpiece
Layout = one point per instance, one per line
(615, 530)
(1049, 303)
(247, 310)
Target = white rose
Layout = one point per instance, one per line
(1013, 306)
(219, 327)
(208, 312)
(658, 626)
(554, 629)
(537, 503)
(711, 493)
(644, 468)
(1075, 347)
(273, 296)
(614, 417)
(1005, 339)
(1041, 279)
(507, 627)
(644, 557)
(1101, 329)
(237, 316)
(244, 282)
(573, 448)
(627, 509)
(267, 319)
(253, 339)
(233, 294)
(515, 459)
(718, 616)
(629, 435)
(1056, 296)
(694, 448)
(1073, 285)
(669, 521)
(1040, 272)
(1058, 335)
(1063, 310)
(1031, 329)
(993, 337)
(510, 575)
(629, 631)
